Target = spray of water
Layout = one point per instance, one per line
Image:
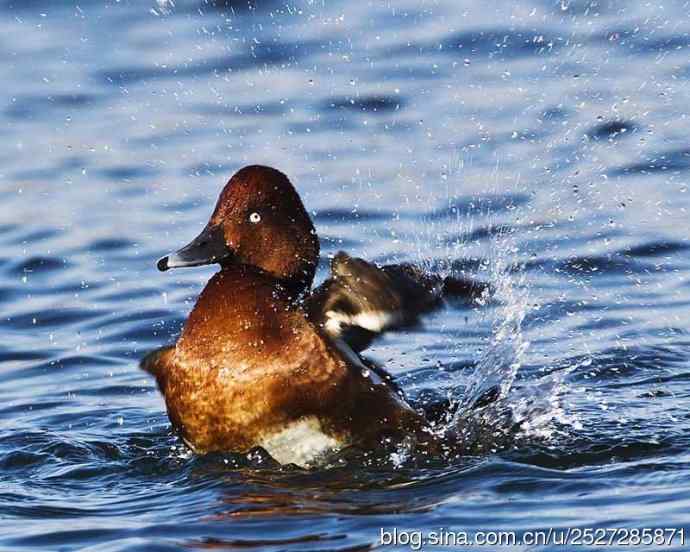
(498, 404)
(493, 411)
(503, 356)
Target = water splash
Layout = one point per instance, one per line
(496, 406)
(502, 358)
(493, 411)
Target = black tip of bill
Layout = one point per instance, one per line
(163, 264)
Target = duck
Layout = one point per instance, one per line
(265, 361)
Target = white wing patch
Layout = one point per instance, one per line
(302, 442)
(374, 321)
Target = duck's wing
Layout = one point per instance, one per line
(361, 300)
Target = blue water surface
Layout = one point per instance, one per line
(543, 145)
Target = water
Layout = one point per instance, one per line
(543, 146)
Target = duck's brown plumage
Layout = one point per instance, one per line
(229, 386)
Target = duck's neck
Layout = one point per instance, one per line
(296, 289)
(293, 287)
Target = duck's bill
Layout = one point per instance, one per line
(207, 248)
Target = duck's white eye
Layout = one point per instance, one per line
(254, 217)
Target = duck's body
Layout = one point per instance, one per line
(271, 378)
(261, 362)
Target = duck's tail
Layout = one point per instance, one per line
(156, 364)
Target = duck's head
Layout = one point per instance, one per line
(259, 221)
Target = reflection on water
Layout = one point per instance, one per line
(541, 145)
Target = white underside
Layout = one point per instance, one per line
(302, 442)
